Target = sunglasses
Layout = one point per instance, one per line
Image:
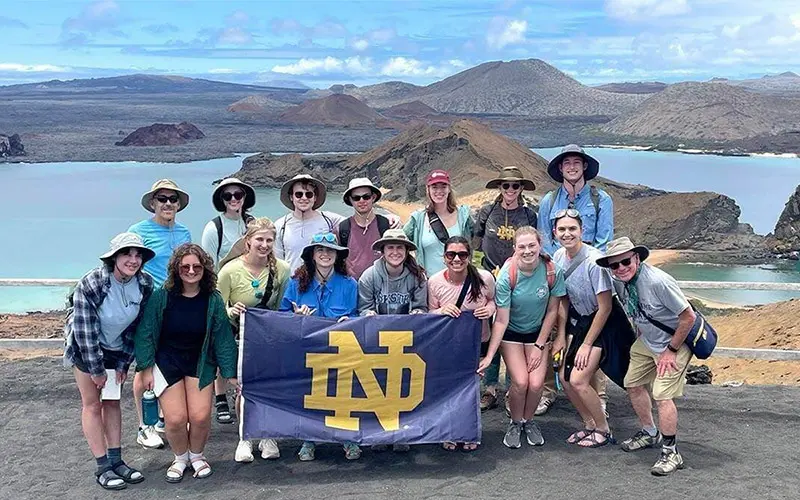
(319, 238)
(624, 262)
(228, 196)
(185, 268)
(307, 194)
(359, 197)
(164, 198)
(453, 255)
(568, 212)
(510, 185)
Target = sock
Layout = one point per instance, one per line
(102, 464)
(222, 398)
(651, 430)
(161, 420)
(114, 456)
(669, 444)
(183, 457)
(194, 456)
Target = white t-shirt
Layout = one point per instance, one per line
(232, 230)
(293, 234)
(586, 281)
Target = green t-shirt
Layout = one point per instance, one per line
(528, 301)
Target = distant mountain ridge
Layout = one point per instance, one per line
(786, 82)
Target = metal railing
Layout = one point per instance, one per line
(726, 352)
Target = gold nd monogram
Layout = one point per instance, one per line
(352, 360)
(505, 232)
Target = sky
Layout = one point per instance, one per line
(320, 43)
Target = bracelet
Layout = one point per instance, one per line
(540, 347)
(672, 349)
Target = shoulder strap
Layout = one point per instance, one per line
(512, 273)
(463, 294)
(328, 220)
(344, 232)
(383, 224)
(595, 194)
(247, 218)
(661, 326)
(531, 215)
(268, 290)
(438, 226)
(575, 264)
(218, 224)
(550, 267)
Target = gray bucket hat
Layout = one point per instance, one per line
(286, 196)
(622, 246)
(327, 240)
(589, 173)
(360, 182)
(249, 194)
(127, 240)
(183, 196)
(394, 236)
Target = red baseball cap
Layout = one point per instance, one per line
(436, 176)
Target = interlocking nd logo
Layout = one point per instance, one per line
(352, 360)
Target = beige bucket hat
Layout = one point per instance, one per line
(511, 174)
(360, 182)
(249, 194)
(127, 240)
(622, 246)
(183, 196)
(286, 196)
(394, 236)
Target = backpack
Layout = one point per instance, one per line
(286, 220)
(594, 194)
(344, 228)
(550, 267)
(218, 224)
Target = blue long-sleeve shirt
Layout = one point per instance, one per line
(339, 297)
(597, 230)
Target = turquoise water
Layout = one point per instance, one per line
(58, 217)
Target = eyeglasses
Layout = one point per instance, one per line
(322, 237)
(164, 198)
(624, 262)
(567, 212)
(307, 194)
(197, 268)
(453, 255)
(228, 196)
(357, 197)
(513, 185)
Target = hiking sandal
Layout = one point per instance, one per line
(223, 413)
(469, 447)
(449, 446)
(109, 480)
(594, 442)
(201, 468)
(128, 474)
(177, 469)
(578, 436)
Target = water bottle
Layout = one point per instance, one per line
(149, 408)
(556, 366)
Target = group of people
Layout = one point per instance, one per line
(552, 284)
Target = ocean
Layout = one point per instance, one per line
(58, 217)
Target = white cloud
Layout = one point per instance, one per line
(234, 36)
(637, 9)
(34, 68)
(310, 66)
(405, 66)
(98, 15)
(365, 66)
(360, 44)
(504, 31)
(222, 71)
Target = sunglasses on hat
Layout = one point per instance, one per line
(319, 238)
(228, 196)
(568, 212)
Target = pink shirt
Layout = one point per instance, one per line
(362, 256)
(441, 292)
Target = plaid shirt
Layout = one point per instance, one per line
(83, 323)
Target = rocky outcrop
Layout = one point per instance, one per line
(162, 134)
(11, 145)
(409, 111)
(786, 237)
(473, 154)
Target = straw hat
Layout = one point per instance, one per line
(511, 174)
(127, 240)
(286, 196)
(554, 167)
(327, 240)
(360, 182)
(622, 246)
(394, 236)
(249, 194)
(164, 184)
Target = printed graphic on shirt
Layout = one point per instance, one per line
(506, 232)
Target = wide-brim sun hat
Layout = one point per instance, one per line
(360, 182)
(237, 250)
(249, 194)
(621, 246)
(511, 174)
(327, 240)
(286, 196)
(183, 196)
(126, 240)
(591, 171)
(394, 236)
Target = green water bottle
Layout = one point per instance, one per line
(149, 408)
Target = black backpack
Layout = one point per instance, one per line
(344, 228)
(218, 224)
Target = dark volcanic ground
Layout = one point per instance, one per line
(737, 444)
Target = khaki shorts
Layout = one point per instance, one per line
(642, 371)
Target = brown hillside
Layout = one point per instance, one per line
(410, 110)
(257, 104)
(336, 109)
(162, 134)
(708, 111)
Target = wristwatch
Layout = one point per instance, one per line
(672, 349)
(540, 347)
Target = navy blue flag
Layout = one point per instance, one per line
(371, 380)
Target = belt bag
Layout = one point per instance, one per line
(702, 338)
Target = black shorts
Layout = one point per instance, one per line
(520, 338)
(111, 359)
(176, 364)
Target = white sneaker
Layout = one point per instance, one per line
(544, 405)
(147, 437)
(244, 452)
(269, 449)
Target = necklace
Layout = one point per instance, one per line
(324, 279)
(367, 221)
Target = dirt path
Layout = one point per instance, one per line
(724, 439)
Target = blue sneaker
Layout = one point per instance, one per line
(306, 453)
